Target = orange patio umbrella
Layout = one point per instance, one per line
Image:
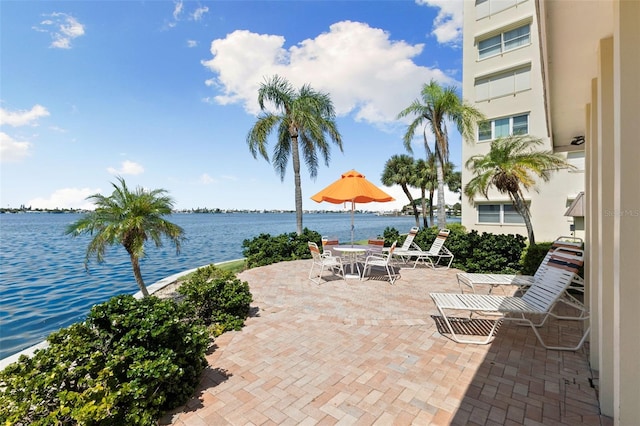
(354, 187)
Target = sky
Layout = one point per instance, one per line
(163, 94)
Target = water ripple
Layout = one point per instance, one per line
(44, 285)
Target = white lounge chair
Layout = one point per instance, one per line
(382, 260)
(537, 302)
(324, 260)
(436, 252)
(570, 251)
(408, 243)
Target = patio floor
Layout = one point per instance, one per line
(369, 353)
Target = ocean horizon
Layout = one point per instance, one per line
(44, 285)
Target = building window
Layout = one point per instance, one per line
(486, 8)
(503, 84)
(500, 127)
(499, 214)
(504, 42)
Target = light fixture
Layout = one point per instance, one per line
(577, 140)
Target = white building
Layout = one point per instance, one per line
(578, 75)
(503, 77)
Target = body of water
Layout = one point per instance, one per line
(44, 285)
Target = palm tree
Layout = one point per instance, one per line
(437, 105)
(128, 218)
(302, 119)
(426, 180)
(400, 170)
(510, 166)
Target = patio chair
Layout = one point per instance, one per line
(327, 245)
(433, 256)
(376, 246)
(537, 302)
(408, 241)
(381, 260)
(324, 260)
(570, 251)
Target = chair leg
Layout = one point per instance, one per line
(392, 277)
(311, 274)
(459, 339)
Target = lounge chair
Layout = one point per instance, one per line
(569, 250)
(381, 260)
(537, 302)
(324, 260)
(408, 243)
(436, 252)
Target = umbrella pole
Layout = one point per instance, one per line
(352, 226)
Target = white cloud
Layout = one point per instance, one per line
(22, 118)
(448, 24)
(206, 179)
(11, 150)
(192, 43)
(62, 28)
(177, 10)
(127, 168)
(66, 198)
(199, 12)
(353, 62)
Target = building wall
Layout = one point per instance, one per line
(609, 86)
(549, 203)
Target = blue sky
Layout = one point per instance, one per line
(163, 93)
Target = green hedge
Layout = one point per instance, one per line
(127, 363)
(266, 249)
(218, 298)
(474, 252)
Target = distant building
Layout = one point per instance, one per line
(503, 76)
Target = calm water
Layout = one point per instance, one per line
(44, 286)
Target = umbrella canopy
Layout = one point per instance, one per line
(354, 187)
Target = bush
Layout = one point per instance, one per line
(533, 256)
(494, 253)
(486, 253)
(265, 249)
(127, 363)
(218, 298)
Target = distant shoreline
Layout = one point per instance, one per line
(9, 210)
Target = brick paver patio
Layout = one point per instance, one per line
(369, 353)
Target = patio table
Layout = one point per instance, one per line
(351, 252)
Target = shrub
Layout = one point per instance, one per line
(492, 253)
(127, 363)
(218, 298)
(390, 235)
(265, 249)
(487, 253)
(532, 257)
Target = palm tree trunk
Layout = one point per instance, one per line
(135, 264)
(521, 207)
(295, 155)
(424, 208)
(431, 207)
(413, 204)
(442, 214)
